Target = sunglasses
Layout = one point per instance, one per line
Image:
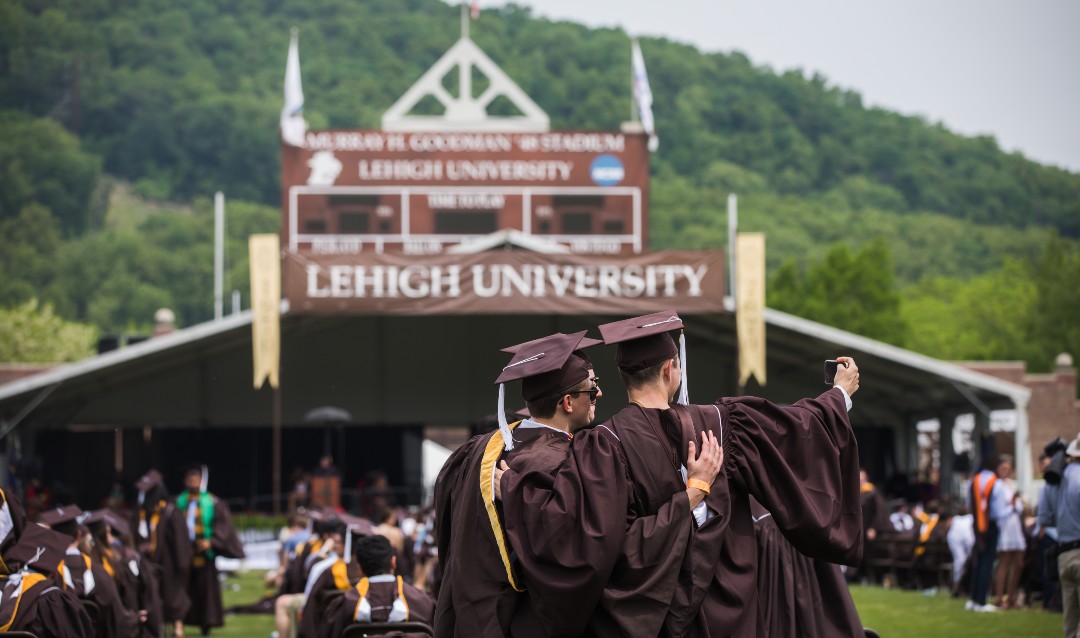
(592, 392)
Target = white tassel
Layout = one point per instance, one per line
(684, 390)
(348, 544)
(504, 427)
(206, 478)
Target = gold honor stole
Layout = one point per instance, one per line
(492, 453)
(28, 582)
(362, 589)
(339, 570)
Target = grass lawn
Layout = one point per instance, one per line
(893, 613)
(896, 613)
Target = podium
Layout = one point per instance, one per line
(326, 491)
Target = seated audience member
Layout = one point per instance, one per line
(86, 579)
(379, 596)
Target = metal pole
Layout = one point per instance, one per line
(219, 254)
(733, 231)
(276, 426)
(633, 93)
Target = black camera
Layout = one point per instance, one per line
(830, 369)
(1056, 451)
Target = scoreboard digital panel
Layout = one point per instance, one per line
(347, 192)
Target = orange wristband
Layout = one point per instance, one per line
(698, 483)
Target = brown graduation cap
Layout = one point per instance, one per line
(65, 520)
(646, 341)
(546, 367)
(39, 548)
(643, 341)
(149, 481)
(105, 516)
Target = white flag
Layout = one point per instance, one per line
(293, 125)
(643, 94)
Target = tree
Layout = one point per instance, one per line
(855, 292)
(31, 333)
(983, 318)
(42, 163)
(1054, 318)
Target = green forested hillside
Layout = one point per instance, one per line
(182, 99)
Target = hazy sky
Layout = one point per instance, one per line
(1001, 67)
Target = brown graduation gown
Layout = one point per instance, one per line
(171, 552)
(799, 596)
(136, 585)
(476, 597)
(608, 545)
(341, 576)
(18, 521)
(340, 613)
(299, 566)
(203, 586)
(43, 609)
(114, 618)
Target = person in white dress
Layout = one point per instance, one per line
(1011, 545)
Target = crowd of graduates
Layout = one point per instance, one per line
(67, 572)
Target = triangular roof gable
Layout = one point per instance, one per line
(465, 112)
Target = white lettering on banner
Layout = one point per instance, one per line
(506, 280)
(430, 142)
(465, 170)
(375, 141)
(345, 141)
(466, 201)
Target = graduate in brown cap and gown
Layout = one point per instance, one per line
(160, 534)
(31, 597)
(379, 596)
(12, 521)
(338, 572)
(326, 547)
(211, 534)
(85, 578)
(134, 576)
(615, 545)
(481, 592)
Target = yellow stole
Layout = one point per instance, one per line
(492, 453)
(929, 524)
(362, 589)
(339, 570)
(28, 582)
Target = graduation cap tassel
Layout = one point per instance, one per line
(206, 476)
(504, 427)
(348, 544)
(684, 389)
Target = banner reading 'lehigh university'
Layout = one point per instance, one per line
(504, 282)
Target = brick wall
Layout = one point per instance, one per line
(1054, 409)
(14, 371)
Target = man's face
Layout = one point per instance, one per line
(862, 477)
(192, 480)
(1004, 469)
(585, 404)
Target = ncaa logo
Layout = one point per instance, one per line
(607, 170)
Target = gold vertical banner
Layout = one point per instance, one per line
(750, 305)
(264, 255)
